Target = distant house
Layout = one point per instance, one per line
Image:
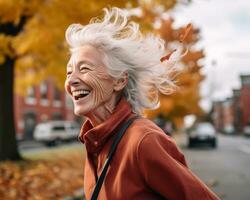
(245, 100)
(228, 116)
(233, 114)
(223, 116)
(42, 103)
(236, 110)
(217, 115)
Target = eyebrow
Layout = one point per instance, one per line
(69, 65)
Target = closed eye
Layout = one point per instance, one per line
(84, 69)
(69, 73)
(69, 69)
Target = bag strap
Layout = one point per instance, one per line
(109, 157)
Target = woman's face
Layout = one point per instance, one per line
(88, 83)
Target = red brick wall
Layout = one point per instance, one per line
(39, 109)
(228, 116)
(245, 104)
(218, 116)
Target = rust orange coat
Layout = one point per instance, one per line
(147, 164)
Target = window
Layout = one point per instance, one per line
(58, 128)
(57, 94)
(30, 98)
(44, 90)
(44, 93)
(245, 80)
(57, 116)
(57, 97)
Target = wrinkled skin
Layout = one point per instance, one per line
(86, 71)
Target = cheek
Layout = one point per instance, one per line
(102, 85)
(67, 87)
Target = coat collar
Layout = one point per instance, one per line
(94, 138)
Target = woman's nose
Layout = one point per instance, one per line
(73, 79)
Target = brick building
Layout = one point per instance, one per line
(236, 110)
(228, 116)
(42, 103)
(245, 100)
(233, 114)
(223, 115)
(217, 115)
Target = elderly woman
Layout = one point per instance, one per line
(113, 74)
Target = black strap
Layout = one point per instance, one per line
(109, 158)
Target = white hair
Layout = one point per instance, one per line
(127, 50)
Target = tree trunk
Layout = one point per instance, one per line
(8, 144)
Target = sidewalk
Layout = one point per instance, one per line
(26, 144)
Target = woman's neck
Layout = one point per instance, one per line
(103, 112)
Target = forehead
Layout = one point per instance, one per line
(86, 53)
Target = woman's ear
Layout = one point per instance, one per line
(121, 82)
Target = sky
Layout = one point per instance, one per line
(225, 38)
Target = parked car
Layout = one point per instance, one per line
(246, 130)
(166, 126)
(229, 129)
(54, 131)
(202, 133)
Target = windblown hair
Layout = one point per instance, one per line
(126, 50)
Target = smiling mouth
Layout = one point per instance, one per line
(79, 94)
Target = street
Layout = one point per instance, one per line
(34, 146)
(225, 169)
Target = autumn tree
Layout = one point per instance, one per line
(32, 47)
(185, 100)
(13, 16)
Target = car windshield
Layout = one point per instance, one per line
(204, 127)
(58, 128)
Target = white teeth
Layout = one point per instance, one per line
(79, 92)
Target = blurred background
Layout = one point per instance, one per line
(208, 116)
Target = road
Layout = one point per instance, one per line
(226, 169)
(27, 147)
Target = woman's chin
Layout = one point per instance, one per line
(80, 112)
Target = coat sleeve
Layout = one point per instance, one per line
(164, 170)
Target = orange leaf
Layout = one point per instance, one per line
(167, 56)
(186, 32)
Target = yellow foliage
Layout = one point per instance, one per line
(153, 5)
(41, 44)
(41, 52)
(186, 99)
(5, 47)
(51, 176)
(166, 105)
(13, 10)
(2, 59)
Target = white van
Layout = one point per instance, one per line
(54, 131)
